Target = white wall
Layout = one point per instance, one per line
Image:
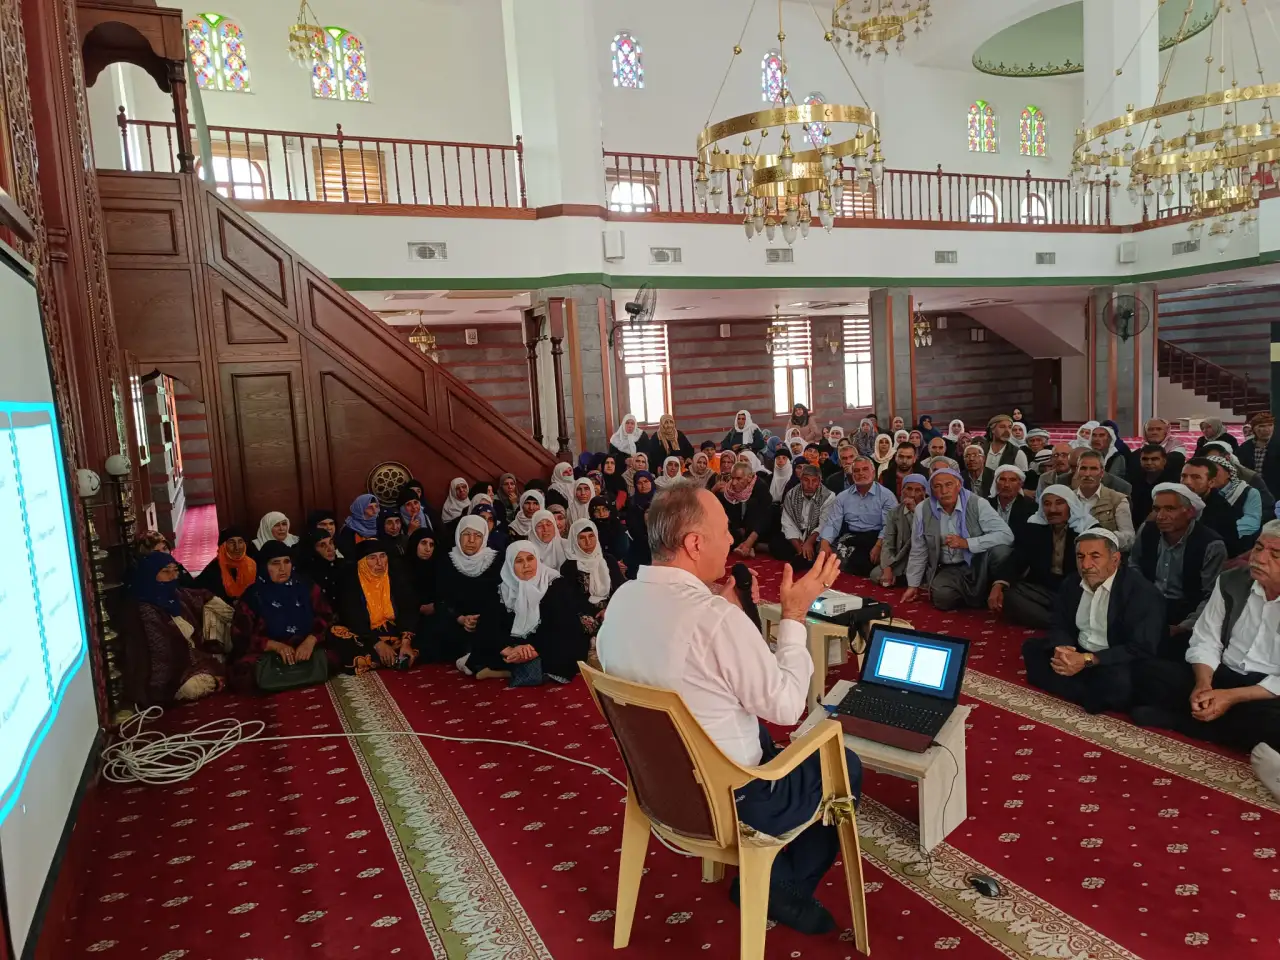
(437, 71)
(1174, 402)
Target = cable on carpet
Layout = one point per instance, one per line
(151, 757)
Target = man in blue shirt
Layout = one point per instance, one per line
(855, 524)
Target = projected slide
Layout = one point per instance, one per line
(42, 640)
(914, 663)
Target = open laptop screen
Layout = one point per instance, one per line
(924, 663)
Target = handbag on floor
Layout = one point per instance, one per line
(273, 675)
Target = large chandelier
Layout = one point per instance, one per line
(783, 188)
(877, 23)
(307, 39)
(1218, 163)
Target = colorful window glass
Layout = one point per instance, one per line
(813, 132)
(342, 74)
(771, 77)
(216, 48)
(982, 128)
(1032, 139)
(628, 61)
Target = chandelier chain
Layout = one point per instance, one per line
(737, 49)
(835, 48)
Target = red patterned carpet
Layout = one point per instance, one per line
(198, 541)
(1112, 842)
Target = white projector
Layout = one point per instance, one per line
(832, 603)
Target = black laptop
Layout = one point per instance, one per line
(910, 684)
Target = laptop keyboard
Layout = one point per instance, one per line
(891, 712)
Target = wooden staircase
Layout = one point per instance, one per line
(305, 389)
(1207, 379)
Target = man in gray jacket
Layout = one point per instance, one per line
(1062, 471)
(892, 569)
(955, 540)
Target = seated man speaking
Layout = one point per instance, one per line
(1102, 623)
(675, 627)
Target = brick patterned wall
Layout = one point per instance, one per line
(193, 435)
(956, 377)
(1230, 327)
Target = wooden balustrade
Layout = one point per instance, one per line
(1205, 378)
(642, 184)
(289, 165)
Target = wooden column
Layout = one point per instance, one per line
(178, 84)
(531, 337)
(557, 324)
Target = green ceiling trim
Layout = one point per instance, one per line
(1058, 33)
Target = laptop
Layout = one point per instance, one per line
(910, 684)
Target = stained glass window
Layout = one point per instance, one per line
(342, 74)
(813, 132)
(982, 128)
(628, 61)
(771, 77)
(1032, 140)
(216, 48)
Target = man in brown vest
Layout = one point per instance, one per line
(1109, 508)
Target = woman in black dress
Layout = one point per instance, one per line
(422, 570)
(319, 560)
(637, 529)
(514, 640)
(378, 616)
(574, 605)
(467, 592)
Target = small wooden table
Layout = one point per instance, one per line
(818, 632)
(943, 805)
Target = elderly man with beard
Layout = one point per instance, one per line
(805, 508)
(1000, 449)
(956, 539)
(1259, 454)
(1014, 508)
(1182, 558)
(891, 571)
(1228, 690)
(1109, 508)
(1103, 623)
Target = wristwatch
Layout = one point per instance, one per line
(1090, 660)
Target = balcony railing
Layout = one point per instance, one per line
(297, 167)
(661, 187)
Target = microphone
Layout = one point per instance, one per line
(742, 582)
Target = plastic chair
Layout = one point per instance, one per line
(680, 785)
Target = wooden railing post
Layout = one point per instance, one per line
(531, 333)
(122, 122)
(524, 199)
(342, 166)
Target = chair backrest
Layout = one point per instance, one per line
(680, 777)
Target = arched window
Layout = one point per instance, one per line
(772, 82)
(813, 132)
(216, 48)
(627, 196)
(1034, 209)
(342, 74)
(1032, 139)
(984, 208)
(982, 128)
(628, 61)
(237, 176)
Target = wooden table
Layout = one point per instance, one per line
(818, 632)
(943, 806)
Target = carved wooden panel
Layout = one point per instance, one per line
(242, 249)
(138, 185)
(144, 230)
(156, 311)
(264, 419)
(244, 326)
(465, 418)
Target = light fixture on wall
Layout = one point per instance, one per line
(788, 188)
(886, 24)
(1222, 161)
(833, 343)
(425, 341)
(922, 331)
(307, 39)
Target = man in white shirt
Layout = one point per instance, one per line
(1228, 691)
(674, 627)
(1102, 623)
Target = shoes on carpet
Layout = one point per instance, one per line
(362, 665)
(556, 678)
(1266, 767)
(789, 907)
(1147, 716)
(461, 664)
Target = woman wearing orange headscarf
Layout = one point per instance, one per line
(378, 614)
(232, 571)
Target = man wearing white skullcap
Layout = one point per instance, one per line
(1103, 623)
(1181, 557)
(1008, 500)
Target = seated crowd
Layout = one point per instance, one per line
(1153, 573)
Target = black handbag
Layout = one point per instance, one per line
(273, 675)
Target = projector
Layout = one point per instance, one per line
(832, 603)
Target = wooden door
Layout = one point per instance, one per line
(1046, 390)
(139, 451)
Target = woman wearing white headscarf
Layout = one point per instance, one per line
(530, 502)
(628, 438)
(865, 438)
(274, 526)
(574, 606)
(458, 502)
(899, 438)
(781, 476)
(749, 457)
(1018, 433)
(1084, 434)
(511, 644)
(882, 454)
(743, 434)
(670, 474)
(580, 503)
(547, 540)
(955, 430)
(467, 589)
(562, 480)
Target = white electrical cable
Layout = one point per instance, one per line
(148, 756)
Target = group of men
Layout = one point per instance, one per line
(1152, 574)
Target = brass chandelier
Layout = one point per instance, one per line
(1220, 160)
(877, 23)
(783, 190)
(307, 39)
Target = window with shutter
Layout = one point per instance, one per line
(237, 169)
(645, 368)
(792, 355)
(858, 383)
(364, 170)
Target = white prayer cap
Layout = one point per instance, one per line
(1010, 468)
(1182, 490)
(1100, 532)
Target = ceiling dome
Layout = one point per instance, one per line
(1051, 43)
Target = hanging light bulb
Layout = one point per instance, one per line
(828, 159)
(789, 233)
(700, 185)
(749, 225)
(837, 194)
(770, 228)
(786, 158)
(717, 199)
(792, 215)
(806, 215)
(758, 219)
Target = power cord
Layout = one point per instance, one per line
(928, 854)
(148, 756)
